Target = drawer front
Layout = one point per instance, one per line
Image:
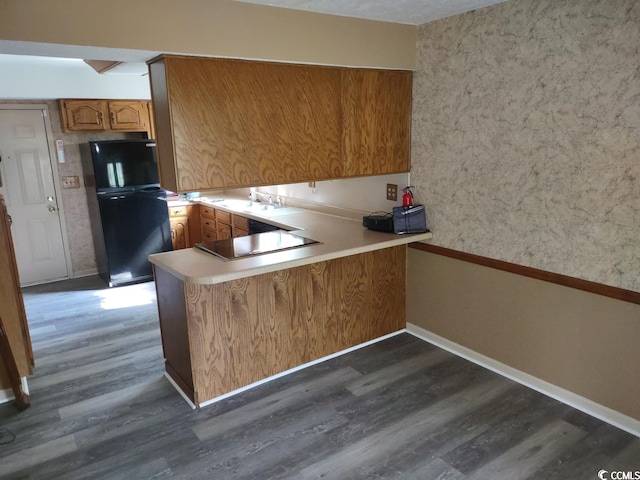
(239, 232)
(223, 231)
(209, 236)
(207, 212)
(178, 211)
(240, 222)
(208, 225)
(224, 217)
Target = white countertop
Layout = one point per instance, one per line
(339, 237)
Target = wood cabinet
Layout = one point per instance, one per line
(12, 313)
(225, 123)
(240, 225)
(377, 121)
(128, 116)
(219, 224)
(185, 226)
(223, 224)
(269, 323)
(208, 223)
(96, 115)
(179, 228)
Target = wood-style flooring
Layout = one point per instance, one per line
(398, 409)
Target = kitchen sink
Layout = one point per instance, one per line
(259, 207)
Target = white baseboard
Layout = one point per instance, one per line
(7, 395)
(282, 374)
(583, 404)
(84, 273)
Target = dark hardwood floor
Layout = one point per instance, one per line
(399, 409)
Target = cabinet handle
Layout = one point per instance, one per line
(113, 118)
(10, 219)
(101, 118)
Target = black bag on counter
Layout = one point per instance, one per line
(379, 221)
(411, 219)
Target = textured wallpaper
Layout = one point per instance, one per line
(526, 135)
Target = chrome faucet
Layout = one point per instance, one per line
(265, 195)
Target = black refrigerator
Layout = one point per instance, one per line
(130, 219)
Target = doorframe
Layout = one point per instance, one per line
(57, 184)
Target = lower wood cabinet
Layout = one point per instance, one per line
(221, 337)
(185, 226)
(180, 232)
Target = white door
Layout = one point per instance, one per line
(28, 188)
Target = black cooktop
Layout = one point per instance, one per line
(256, 244)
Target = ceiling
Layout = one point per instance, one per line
(412, 12)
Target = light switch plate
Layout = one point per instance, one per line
(392, 192)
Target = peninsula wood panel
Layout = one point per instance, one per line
(376, 106)
(245, 330)
(173, 329)
(241, 123)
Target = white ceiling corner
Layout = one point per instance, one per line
(412, 12)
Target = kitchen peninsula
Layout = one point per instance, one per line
(228, 324)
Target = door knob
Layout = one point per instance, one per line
(52, 208)
(49, 198)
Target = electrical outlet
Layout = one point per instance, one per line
(392, 192)
(71, 182)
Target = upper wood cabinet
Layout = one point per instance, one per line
(83, 115)
(105, 115)
(128, 116)
(376, 108)
(232, 123)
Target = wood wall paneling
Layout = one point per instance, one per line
(248, 329)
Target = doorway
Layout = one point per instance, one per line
(28, 184)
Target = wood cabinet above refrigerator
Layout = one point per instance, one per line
(225, 123)
(98, 115)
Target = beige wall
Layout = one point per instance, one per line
(210, 27)
(582, 342)
(77, 221)
(526, 139)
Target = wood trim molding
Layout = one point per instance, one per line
(565, 280)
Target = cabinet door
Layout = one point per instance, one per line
(229, 123)
(128, 116)
(223, 231)
(376, 107)
(83, 115)
(179, 232)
